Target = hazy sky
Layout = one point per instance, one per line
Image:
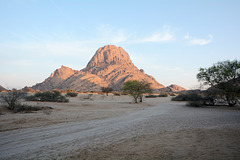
(170, 40)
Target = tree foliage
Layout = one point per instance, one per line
(71, 94)
(136, 89)
(223, 79)
(220, 72)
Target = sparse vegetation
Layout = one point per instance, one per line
(49, 96)
(90, 96)
(12, 102)
(107, 90)
(151, 96)
(195, 103)
(29, 109)
(163, 95)
(117, 94)
(12, 98)
(71, 94)
(155, 96)
(194, 99)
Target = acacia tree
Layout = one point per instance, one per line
(223, 76)
(145, 88)
(136, 89)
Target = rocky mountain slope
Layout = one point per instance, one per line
(111, 66)
(55, 79)
(2, 88)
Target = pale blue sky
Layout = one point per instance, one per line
(170, 40)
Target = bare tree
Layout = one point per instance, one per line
(12, 98)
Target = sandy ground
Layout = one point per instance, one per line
(109, 127)
(81, 108)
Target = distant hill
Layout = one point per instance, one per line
(111, 66)
(172, 88)
(175, 88)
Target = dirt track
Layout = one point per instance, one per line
(61, 141)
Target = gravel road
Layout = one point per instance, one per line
(62, 140)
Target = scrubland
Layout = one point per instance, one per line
(113, 127)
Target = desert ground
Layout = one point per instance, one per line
(112, 127)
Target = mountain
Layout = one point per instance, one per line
(55, 79)
(2, 88)
(110, 66)
(175, 88)
(171, 88)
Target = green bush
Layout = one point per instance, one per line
(31, 98)
(209, 101)
(48, 96)
(195, 103)
(163, 95)
(187, 97)
(117, 94)
(151, 96)
(71, 94)
(194, 99)
(180, 97)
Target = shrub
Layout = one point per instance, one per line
(71, 94)
(195, 103)
(187, 97)
(31, 98)
(106, 90)
(49, 96)
(180, 97)
(117, 94)
(163, 95)
(155, 96)
(193, 98)
(151, 96)
(28, 108)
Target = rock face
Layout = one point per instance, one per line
(111, 66)
(110, 55)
